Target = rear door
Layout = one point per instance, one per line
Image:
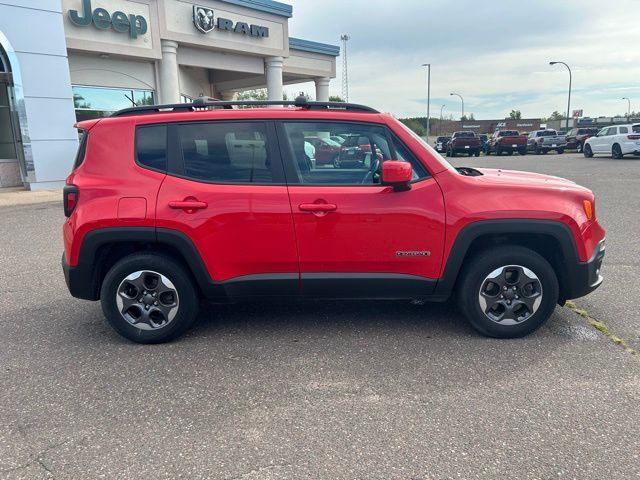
(225, 191)
(356, 237)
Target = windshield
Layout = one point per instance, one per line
(432, 151)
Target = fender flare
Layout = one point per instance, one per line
(473, 231)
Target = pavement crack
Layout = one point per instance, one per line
(601, 327)
(38, 459)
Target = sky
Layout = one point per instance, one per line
(494, 53)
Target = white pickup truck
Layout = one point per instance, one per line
(542, 141)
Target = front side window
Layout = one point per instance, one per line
(225, 152)
(356, 161)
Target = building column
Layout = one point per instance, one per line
(322, 89)
(169, 77)
(273, 72)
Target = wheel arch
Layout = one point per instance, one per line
(102, 248)
(553, 240)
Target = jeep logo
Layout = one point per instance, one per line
(119, 21)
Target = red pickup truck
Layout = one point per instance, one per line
(508, 141)
(464, 142)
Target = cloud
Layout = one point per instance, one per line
(495, 54)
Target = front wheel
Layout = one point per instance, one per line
(336, 161)
(149, 298)
(508, 292)
(579, 147)
(587, 152)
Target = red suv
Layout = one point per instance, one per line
(170, 204)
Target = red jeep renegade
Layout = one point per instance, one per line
(170, 204)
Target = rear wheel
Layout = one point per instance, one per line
(477, 154)
(522, 151)
(560, 151)
(587, 152)
(149, 298)
(616, 152)
(508, 292)
(537, 150)
(579, 147)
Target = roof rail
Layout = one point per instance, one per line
(205, 103)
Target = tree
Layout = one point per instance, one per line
(415, 125)
(464, 118)
(336, 98)
(557, 116)
(258, 95)
(515, 114)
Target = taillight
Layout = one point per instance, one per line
(633, 137)
(70, 195)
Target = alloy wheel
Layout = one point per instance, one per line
(147, 300)
(510, 295)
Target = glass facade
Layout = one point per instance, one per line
(96, 102)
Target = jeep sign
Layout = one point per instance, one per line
(119, 21)
(204, 22)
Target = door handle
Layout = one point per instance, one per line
(188, 205)
(318, 207)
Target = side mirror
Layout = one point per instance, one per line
(397, 174)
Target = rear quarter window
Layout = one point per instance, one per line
(82, 148)
(151, 147)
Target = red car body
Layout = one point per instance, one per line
(231, 236)
(508, 141)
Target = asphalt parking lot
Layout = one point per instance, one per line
(322, 390)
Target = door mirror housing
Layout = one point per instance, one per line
(397, 174)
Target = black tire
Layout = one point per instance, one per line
(477, 154)
(453, 153)
(474, 277)
(336, 161)
(587, 152)
(616, 152)
(579, 147)
(537, 150)
(448, 152)
(522, 151)
(487, 150)
(186, 300)
(498, 151)
(560, 151)
(510, 152)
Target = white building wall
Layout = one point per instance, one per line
(35, 31)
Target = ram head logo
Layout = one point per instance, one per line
(203, 18)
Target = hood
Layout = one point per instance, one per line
(526, 179)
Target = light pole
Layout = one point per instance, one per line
(428, 65)
(440, 124)
(569, 100)
(629, 107)
(462, 100)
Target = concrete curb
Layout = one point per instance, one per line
(10, 197)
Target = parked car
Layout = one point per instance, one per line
(577, 136)
(441, 144)
(464, 142)
(224, 204)
(327, 152)
(543, 141)
(507, 141)
(616, 141)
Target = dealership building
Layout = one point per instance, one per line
(68, 60)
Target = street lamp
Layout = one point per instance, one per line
(629, 107)
(569, 100)
(440, 124)
(428, 65)
(462, 100)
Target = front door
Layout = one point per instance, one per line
(225, 191)
(356, 237)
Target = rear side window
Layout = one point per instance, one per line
(151, 147)
(82, 148)
(225, 152)
(624, 130)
